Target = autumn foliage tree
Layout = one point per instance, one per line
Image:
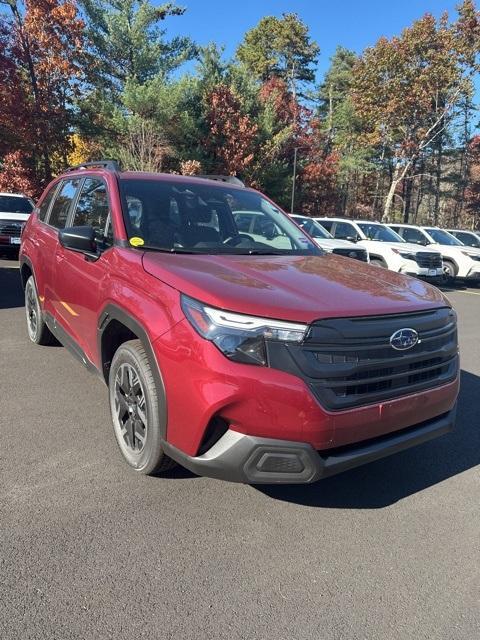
(232, 133)
(406, 88)
(15, 175)
(473, 190)
(42, 45)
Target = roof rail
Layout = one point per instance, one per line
(230, 179)
(111, 165)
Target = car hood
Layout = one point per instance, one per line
(333, 243)
(399, 246)
(410, 247)
(453, 249)
(297, 288)
(21, 217)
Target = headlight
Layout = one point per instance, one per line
(473, 256)
(239, 337)
(405, 254)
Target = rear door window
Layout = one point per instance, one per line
(327, 224)
(62, 204)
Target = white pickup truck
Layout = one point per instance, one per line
(386, 248)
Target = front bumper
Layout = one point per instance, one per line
(411, 268)
(249, 459)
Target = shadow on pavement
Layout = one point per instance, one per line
(11, 292)
(386, 481)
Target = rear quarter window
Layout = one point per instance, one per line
(62, 203)
(46, 202)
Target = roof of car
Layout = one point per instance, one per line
(145, 175)
(403, 224)
(475, 233)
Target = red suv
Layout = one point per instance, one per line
(253, 358)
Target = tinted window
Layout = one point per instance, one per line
(15, 204)
(344, 230)
(414, 235)
(469, 239)
(443, 237)
(379, 232)
(92, 206)
(313, 228)
(61, 206)
(45, 206)
(326, 224)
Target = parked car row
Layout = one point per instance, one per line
(421, 251)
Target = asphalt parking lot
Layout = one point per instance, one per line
(89, 550)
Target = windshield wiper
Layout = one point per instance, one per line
(149, 247)
(265, 252)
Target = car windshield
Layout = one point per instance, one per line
(15, 204)
(312, 227)
(379, 232)
(195, 217)
(443, 237)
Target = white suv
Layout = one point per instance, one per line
(327, 242)
(459, 261)
(386, 248)
(14, 211)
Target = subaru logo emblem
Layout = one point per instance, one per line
(404, 339)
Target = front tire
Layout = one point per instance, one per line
(450, 271)
(38, 332)
(134, 405)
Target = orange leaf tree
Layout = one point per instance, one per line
(44, 47)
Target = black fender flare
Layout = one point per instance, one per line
(114, 312)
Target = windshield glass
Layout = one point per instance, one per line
(14, 204)
(379, 232)
(443, 237)
(194, 217)
(312, 227)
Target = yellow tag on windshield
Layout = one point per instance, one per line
(137, 242)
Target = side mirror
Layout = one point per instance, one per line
(80, 239)
(352, 238)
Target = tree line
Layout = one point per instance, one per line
(389, 134)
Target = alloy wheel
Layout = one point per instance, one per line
(130, 409)
(31, 311)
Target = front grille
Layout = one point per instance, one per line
(429, 260)
(11, 229)
(349, 362)
(357, 254)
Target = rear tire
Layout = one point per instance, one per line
(134, 406)
(38, 332)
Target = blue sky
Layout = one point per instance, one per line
(354, 24)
